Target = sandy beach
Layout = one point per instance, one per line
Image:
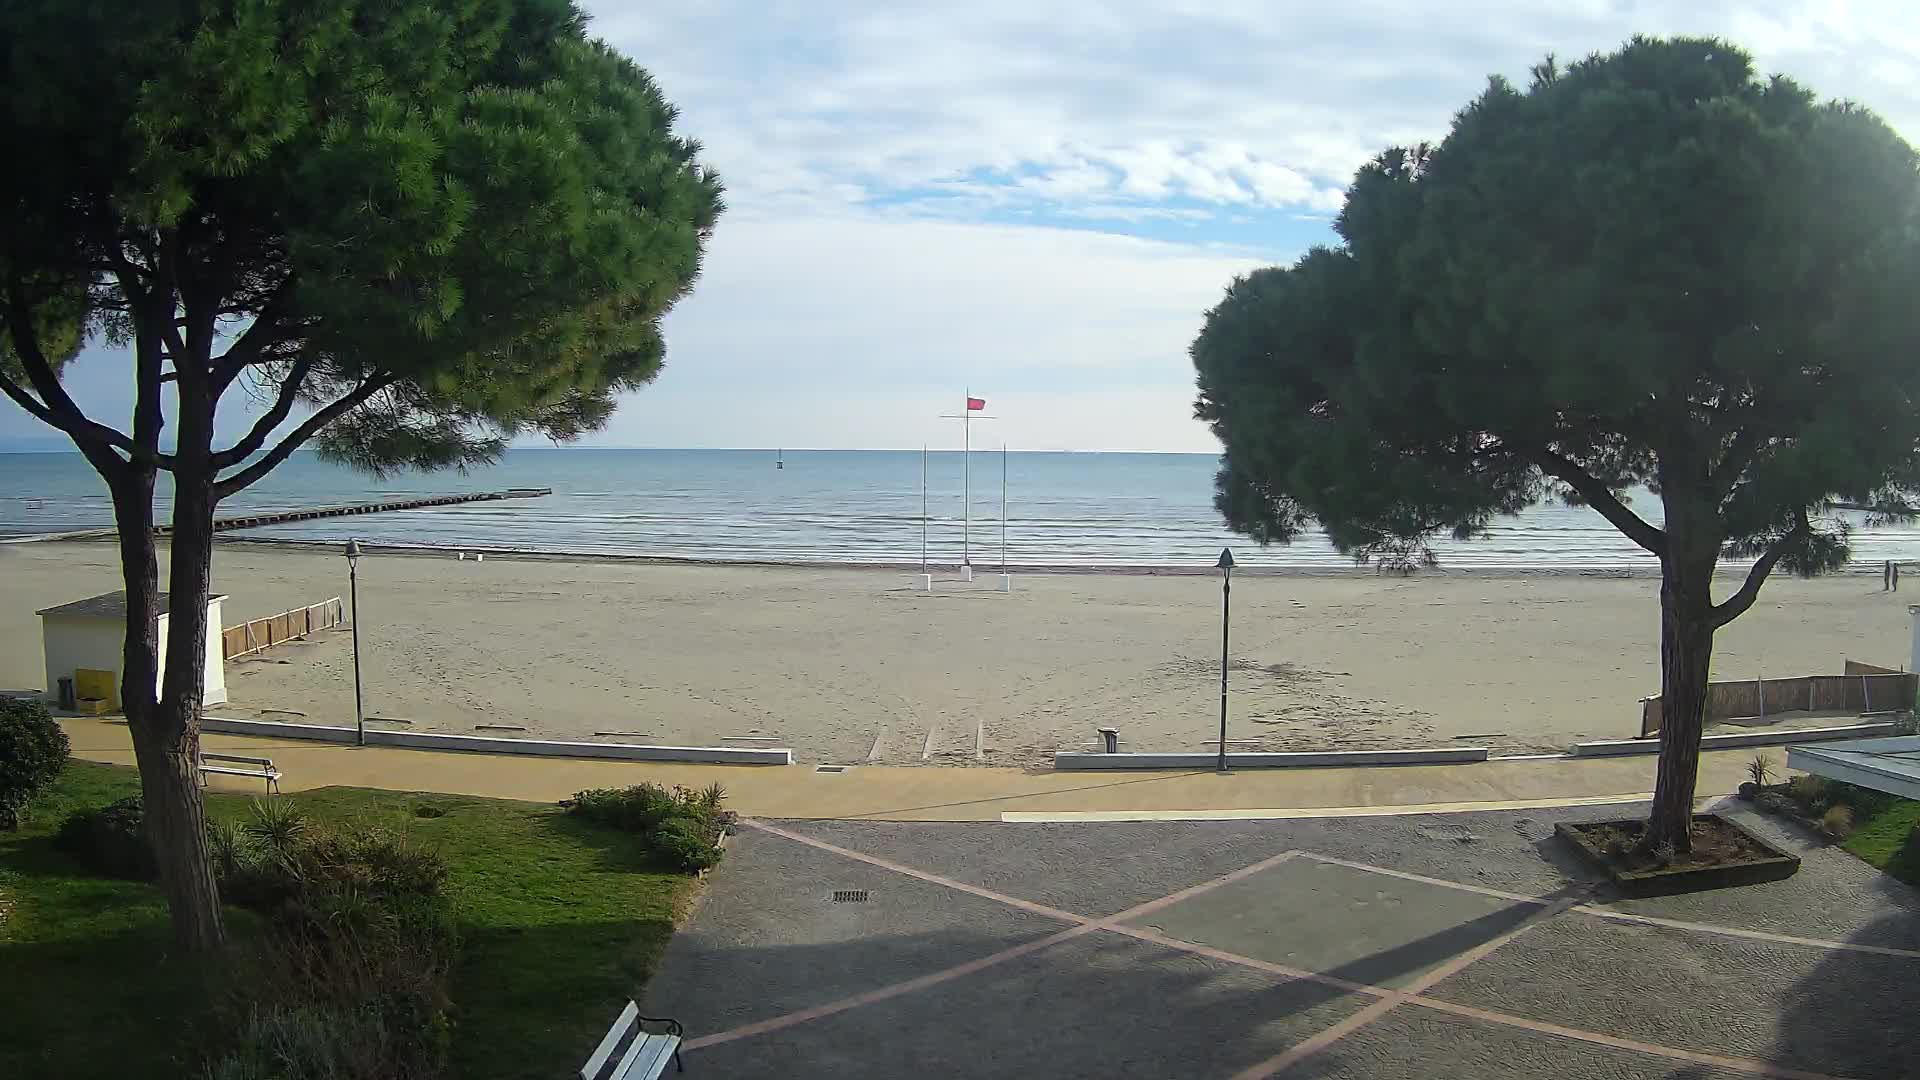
(856, 666)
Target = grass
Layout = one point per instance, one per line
(1881, 823)
(561, 922)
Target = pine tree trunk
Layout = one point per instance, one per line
(165, 729)
(1686, 654)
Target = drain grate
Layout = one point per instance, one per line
(849, 896)
(829, 768)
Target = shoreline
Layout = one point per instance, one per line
(1725, 569)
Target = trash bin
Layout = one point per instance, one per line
(66, 692)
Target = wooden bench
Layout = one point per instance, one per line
(233, 765)
(630, 1052)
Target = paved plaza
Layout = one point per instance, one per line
(1463, 945)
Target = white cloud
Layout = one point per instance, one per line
(875, 151)
(854, 331)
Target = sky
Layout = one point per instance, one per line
(1038, 202)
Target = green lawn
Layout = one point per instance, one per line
(1880, 827)
(561, 922)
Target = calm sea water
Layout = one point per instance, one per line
(854, 506)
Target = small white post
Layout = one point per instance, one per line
(925, 583)
(966, 572)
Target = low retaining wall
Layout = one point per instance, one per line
(1075, 760)
(420, 740)
(1617, 747)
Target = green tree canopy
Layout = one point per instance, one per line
(1647, 269)
(406, 230)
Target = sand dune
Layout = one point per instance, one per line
(852, 665)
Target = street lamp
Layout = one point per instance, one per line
(353, 591)
(1226, 603)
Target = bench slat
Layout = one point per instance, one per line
(648, 1058)
(629, 1017)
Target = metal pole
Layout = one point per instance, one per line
(966, 456)
(1226, 606)
(1003, 508)
(923, 508)
(353, 590)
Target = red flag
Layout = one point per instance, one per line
(975, 404)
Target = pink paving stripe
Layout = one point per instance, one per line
(787, 1020)
(1756, 935)
(1083, 925)
(1750, 1066)
(884, 864)
(1623, 916)
(1387, 997)
(1308, 1047)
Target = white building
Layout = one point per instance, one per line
(90, 635)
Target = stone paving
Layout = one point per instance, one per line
(1465, 945)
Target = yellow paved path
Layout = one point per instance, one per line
(954, 794)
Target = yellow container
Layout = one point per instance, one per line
(97, 684)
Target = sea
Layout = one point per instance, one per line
(861, 507)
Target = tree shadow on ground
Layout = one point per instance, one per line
(533, 1002)
(1852, 1014)
(1098, 1005)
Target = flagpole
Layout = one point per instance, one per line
(1003, 508)
(923, 508)
(966, 457)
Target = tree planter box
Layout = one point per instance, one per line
(1775, 864)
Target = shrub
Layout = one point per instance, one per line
(678, 827)
(639, 808)
(1809, 791)
(1837, 823)
(685, 844)
(350, 981)
(109, 840)
(33, 750)
(276, 824)
(1761, 770)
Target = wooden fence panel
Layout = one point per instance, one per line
(1858, 691)
(251, 637)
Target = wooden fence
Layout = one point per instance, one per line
(249, 638)
(1863, 689)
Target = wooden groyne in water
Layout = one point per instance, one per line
(282, 517)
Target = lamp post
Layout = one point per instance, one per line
(353, 591)
(1226, 604)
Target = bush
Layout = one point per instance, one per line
(1809, 791)
(680, 828)
(110, 840)
(1837, 823)
(351, 979)
(685, 844)
(1761, 770)
(33, 750)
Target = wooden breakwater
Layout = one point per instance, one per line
(282, 517)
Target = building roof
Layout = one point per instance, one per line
(1889, 765)
(108, 605)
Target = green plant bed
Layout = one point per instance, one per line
(560, 922)
(1881, 826)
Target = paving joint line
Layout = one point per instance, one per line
(1599, 911)
(1380, 1007)
(1385, 996)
